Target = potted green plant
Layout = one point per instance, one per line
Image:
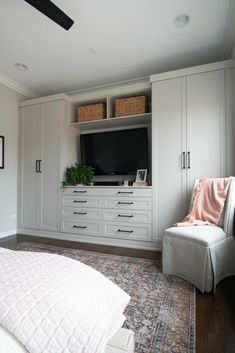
(78, 174)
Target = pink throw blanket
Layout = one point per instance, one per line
(208, 202)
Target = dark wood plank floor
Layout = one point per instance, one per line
(215, 314)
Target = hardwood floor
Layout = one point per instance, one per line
(92, 247)
(215, 314)
(215, 319)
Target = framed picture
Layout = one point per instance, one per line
(1, 152)
(141, 175)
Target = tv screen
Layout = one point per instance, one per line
(119, 152)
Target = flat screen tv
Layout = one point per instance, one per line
(119, 152)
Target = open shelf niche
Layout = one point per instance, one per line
(108, 97)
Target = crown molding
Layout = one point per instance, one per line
(17, 87)
(229, 33)
(138, 80)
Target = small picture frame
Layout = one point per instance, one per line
(2, 152)
(141, 175)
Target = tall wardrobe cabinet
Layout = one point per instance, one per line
(43, 128)
(190, 125)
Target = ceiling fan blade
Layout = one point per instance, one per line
(53, 12)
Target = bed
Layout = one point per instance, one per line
(51, 304)
(121, 342)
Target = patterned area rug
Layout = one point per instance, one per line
(162, 308)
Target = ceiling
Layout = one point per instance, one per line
(110, 41)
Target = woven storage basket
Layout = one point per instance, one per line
(91, 112)
(130, 106)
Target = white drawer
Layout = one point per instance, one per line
(127, 216)
(136, 192)
(81, 213)
(81, 227)
(124, 231)
(128, 203)
(82, 201)
(83, 191)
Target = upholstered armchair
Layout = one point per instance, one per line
(202, 255)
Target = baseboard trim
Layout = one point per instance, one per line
(8, 233)
(154, 246)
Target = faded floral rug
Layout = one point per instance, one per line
(162, 307)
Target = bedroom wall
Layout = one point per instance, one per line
(8, 176)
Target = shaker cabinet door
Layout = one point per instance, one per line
(50, 165)
(28, 176)
(168, 153)
(206, 126)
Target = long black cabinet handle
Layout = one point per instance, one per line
(125, 231)
(81, 227)
(125, 203)
(80, 201)
(82, 213)
(183, 161)
(125, 215)
(80, 191)
(125, 192)
(36, 166)
(188, 160)
(39, 162)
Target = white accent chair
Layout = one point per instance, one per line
(202, 255)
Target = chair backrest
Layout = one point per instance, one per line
(229, 209)
(227, 217)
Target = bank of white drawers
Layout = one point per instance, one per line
(114, 212)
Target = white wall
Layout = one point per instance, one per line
(8, 175)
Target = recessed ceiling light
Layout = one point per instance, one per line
(181, 20)
(21, 66)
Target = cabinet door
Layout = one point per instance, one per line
(50, 118)
(168, 145)
(28, 178)
(206, 126)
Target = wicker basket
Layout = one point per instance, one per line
(91, 112)
(130, 106)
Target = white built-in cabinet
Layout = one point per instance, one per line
(189, 127)
(191, 132)
(41, 163)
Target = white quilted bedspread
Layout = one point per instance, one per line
(53, 304)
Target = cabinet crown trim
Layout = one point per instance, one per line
(220, 65)
(46, 99)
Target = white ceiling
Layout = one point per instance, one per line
(111, 41)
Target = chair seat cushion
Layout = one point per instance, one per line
(202, 235)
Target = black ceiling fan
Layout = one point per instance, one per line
(53, 12)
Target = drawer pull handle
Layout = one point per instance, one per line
(125, 192)
(125, 231)
(125, 215)
(81, 227)
(81, 201)
(125, 203)
(83, 213)
(80, 191)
